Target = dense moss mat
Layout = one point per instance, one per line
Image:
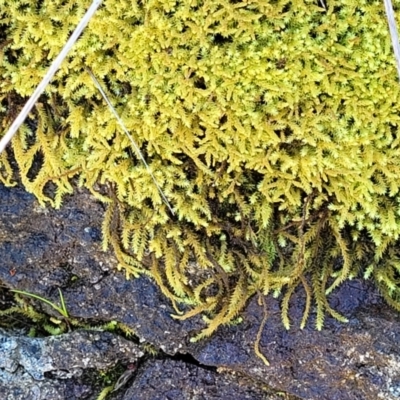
(271, 126)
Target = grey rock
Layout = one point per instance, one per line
(52, 367)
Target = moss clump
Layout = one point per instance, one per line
(272, 127)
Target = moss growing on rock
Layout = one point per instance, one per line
(272, 127)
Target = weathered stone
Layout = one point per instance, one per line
(42, 250)
(176, 380)
(46, 249)
(356, 360)
(52, 367)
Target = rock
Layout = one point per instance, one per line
(176, 380)
(344, 361)
(43, 250)
(53, 367)
(46, 249)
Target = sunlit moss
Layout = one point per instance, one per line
(271, 126)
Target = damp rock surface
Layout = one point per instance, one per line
(357, 360)
(176, 380)
(43, 250)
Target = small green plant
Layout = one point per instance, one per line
(42, 323)
(62, 309)
(114, 379)
(104, 393)
(148, 348)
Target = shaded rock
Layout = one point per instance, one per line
(52, 367)
(46, 249)
(176, 380)
(20, 386)
(42, 250)
(357, 360)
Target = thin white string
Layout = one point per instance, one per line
(50, 73)
(135, 146)
(393, 32)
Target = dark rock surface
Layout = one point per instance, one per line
(46, 249)
(357, 360)
(176, 380)
(43, 250)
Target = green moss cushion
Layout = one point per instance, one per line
(271, 127)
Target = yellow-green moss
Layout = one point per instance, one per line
(272, 127)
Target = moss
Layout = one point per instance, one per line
(272, 128)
